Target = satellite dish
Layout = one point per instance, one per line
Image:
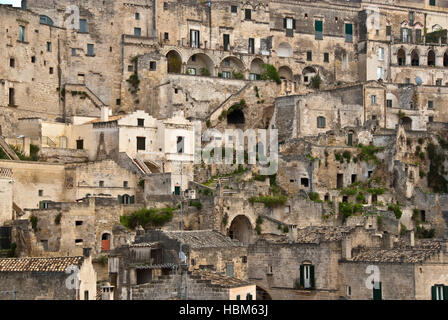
(418, 81)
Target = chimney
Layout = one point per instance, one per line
(104, 114)
(410, 240)
(86, 252)
(347, 247)
(292, 233)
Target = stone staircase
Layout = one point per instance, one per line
(226, 104)
(69, 87)
(8, 150)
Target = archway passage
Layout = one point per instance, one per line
(174, 62)
(285, 73)
(263, 294)
(105, 242)
(401, 57)
(200, 64)
(284, 50)
(308, 73)
(241, 229)
(232, 67)
(256, 69)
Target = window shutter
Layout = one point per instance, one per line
(445, 292)
(120, 199)
(191, 38)
(284, 23)
(318, 26)
(410, 36)
(313, 284)
(41, 205)
(433, 293)
(199, 39)
(132, 199)
(294, 24)
(349, 28)
(302, 276)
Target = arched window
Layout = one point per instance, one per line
(307, 276)
(431, 58)
(415, 59)
(401, 57)
(321, 122)
(46, 20)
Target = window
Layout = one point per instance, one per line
(318, 30)
(73, 52)
(379, 73)
(83, 25)
(407, 80)
(309, 56)
(249, 296)
(348, 32)
(432, 2)
(137, 16)
(305, 181)
(248, 14)
(320, 122)
(12, 97)
(46, 20)
(349, 291)
(141, 122)
(33, 59)
(326, 57)
(430, 119)
(78, 223)
(191, 71)
(377, 291)
(287, 209)
(86, 295)
(101, 184)
(130, 68)
(307, 276)
(404, 35)
(430, 104)
(354, 178)
(80, 144)
(233, 9)
(152, 65)
(226, 74)
(251, 45)
(388, 30)
(51, 70)
(125, 184)
(49, 46)
(374, 117)
(41, 193)
(137, 32)
(141, 143)
(118, 102)
(166, 36)
(373, 98)
(418, 35)
(12, 62)
(180, 144)
(165, 6)
(194, 38)
(229, 270)
(438, 82)
(226, 41)
(381, 54)
(90, 50)
(289, 24)
(411, 17)
(78, 241)
(22, 33)
(389, 103)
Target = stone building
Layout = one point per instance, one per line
(57, 278)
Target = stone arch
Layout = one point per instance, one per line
(200, 64)
(285, 72)
(263, 294)
(231, 66)
(406, 122)
(415, 58)
(256, 69)
(401, 57)
(431, 58)
(241, 229)
(284, 50)
(174, 62)
(236, 117)
(308, 73)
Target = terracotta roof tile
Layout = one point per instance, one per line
(219, 279)
(55, 264)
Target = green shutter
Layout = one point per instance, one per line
(120, 199)
(313, 284)
(41, 205)
(132, 199)
(433, 293)
(238, 297)
(318, 26)
(377, 293)
(302, 276)
(445, 292)
(350, 139)
(348, 28)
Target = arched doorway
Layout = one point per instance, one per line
(174, 62)
(431, 58)
(105, 242)
(241, 229)
(285, 73)
(401, 57)
(262, 294)
(200, 64)
(415, 58)
(406, 122)
(236, 117)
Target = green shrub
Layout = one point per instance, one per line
(269, 201)
(225, 219)
(57, 219)
(314, 196)
(424, 233)
(237, 75)
(34, 220)
(396, 208)
(270, 73)
(134, 81)
(316, 81)
(348, 208)
(285, 229)
(208, 123)
(195, 203)
(367, 153)
(205, 72)
(148, 217)
(403, 229)
(349, 191)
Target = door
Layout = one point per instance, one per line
(105, 242)
(226, 42)
(377, 291)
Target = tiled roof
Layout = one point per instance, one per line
(203, 239)
(393, 255)
(111, 118)
(219, 279)
(56, 264)
(145, 244)
(321, 234)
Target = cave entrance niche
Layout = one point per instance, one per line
(241, 229)
(262, 294)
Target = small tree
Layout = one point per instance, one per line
(316, 81)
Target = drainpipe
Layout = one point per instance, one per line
(385, 108)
